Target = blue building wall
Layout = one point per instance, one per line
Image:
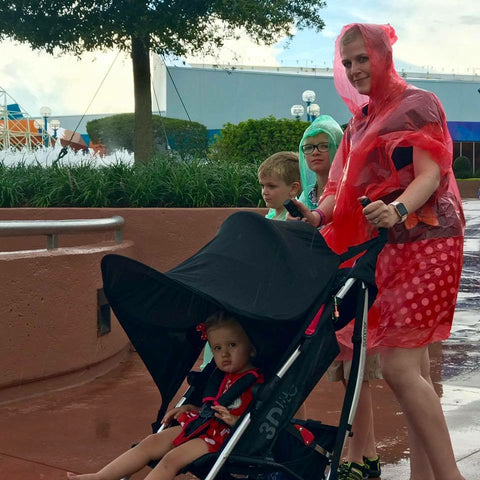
(214, 97)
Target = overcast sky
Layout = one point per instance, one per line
(435, 35)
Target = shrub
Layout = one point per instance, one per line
(165, 182)
(462, 167)
(117, 132)
(254, 140)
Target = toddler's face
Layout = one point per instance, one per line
(275, 191)
(231, 347)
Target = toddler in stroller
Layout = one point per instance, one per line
(201, 430)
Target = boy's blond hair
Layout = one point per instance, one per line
(283, 165)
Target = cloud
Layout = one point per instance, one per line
(66, 84)
(470, 20)
(445, 43)
(241, 51)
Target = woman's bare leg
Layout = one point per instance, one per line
(402, 370)
(420, 468)
(152, 447)
(177, 459)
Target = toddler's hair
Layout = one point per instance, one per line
(283, 165)
(220, 319)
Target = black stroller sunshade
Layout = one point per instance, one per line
(273, 276)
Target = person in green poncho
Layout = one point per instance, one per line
(316, 152)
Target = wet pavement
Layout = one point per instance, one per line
(81, 428)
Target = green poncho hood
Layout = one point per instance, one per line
(323, 124)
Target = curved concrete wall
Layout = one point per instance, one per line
(163, 237)
(48, 318)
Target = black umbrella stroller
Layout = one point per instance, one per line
(284, 285)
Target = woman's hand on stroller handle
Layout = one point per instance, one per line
(175, 412)
(378, 213)
(223, 414)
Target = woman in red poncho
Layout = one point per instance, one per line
(397, 151)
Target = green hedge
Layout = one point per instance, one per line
(253, 141)
(165, 182)
(117, 132)
(462, 167)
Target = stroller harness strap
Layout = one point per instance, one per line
(224, 389)
(229, 390)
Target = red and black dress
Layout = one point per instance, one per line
(232, 390)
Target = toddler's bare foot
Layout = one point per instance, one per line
(85, 476)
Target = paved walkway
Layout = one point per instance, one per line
(81, 428)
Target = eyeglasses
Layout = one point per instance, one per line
(321, 147)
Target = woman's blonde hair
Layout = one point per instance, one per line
(351, 35)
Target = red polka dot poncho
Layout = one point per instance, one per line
(418, 271)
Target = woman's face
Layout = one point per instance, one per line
(356, 61)
(318, 161)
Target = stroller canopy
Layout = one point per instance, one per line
(268, 273)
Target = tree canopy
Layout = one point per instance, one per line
(173, 27)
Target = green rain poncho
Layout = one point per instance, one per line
(323, 124)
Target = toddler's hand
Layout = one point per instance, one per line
(224, 415)
(174, 413)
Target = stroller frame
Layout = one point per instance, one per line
(350, 404)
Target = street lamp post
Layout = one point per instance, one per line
(45, 112)
(297, 111)
(308, 96)
(313, 110)
(55, 124)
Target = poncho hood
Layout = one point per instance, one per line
(323, 124)
(385, 82)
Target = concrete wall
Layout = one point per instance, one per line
(48, 316)
(162, 237)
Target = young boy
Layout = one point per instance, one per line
(279, 177)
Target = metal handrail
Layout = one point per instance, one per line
(51, 228)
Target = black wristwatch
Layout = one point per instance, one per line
(401, 210)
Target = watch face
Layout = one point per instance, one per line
(402, 210)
